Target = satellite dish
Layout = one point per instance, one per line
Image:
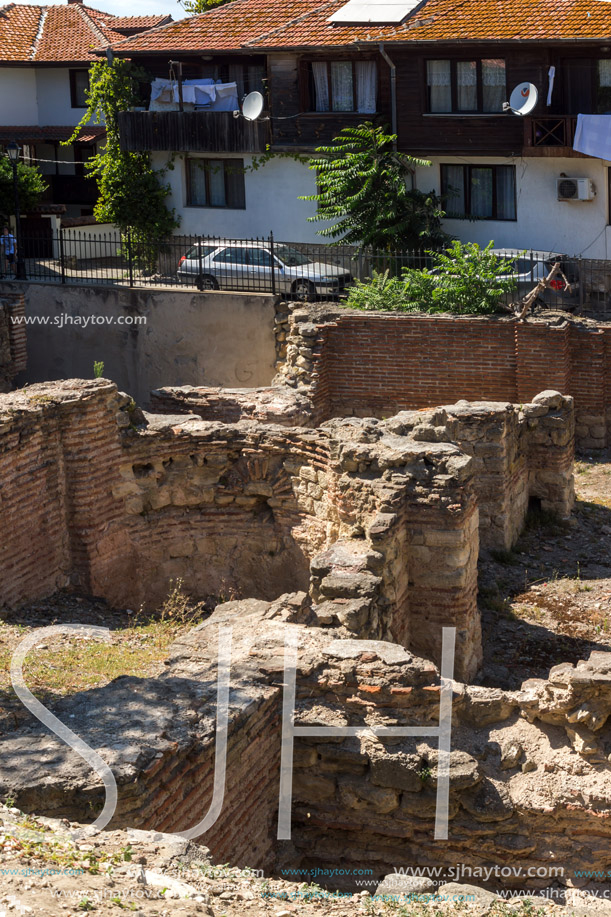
(252, 106)
(522, 100)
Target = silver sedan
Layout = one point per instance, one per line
(254, 267)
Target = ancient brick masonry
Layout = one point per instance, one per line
(376, 364)
(529, 781)
(379, 517)
(12, 339)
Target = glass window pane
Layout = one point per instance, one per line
(216, 182)
(466, 85)
(321, 86)
(366, 79)
(438, 81)
(197, 183)
(493, 84)
(603, 95)
(341, 86)
(81, 85)
(481, 192)
(505, 192)
(453, 189)
(234, 184)
(259, 257)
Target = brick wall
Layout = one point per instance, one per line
(12, 339)
(377, 364)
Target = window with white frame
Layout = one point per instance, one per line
(466, 86)
(344, 86)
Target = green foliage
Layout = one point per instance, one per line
(29, 183)
(132, 193)
(363, 185)
(465, 280)
(98, 369)
(193, 7)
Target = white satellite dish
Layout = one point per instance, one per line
(252, 106)
(522, 100)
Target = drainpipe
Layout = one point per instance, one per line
(393, 89)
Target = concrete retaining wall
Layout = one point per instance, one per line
(149, 338)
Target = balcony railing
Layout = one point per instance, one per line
(549, 131)
(192, 132)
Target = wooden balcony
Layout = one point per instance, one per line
(549, 135)
(192, 132)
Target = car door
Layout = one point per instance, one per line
(260, 270)
(230, 268)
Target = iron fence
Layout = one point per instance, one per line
(268, 265)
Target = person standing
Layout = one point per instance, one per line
(8, 249)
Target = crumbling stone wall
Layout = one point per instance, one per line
(376, 364)
(382, 516)
(529, 783)
(12, 339)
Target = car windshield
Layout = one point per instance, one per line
(291, 256)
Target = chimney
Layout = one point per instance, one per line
(75, 1)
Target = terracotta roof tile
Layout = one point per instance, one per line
(61, 33)
(119, 23)
(35, 134)
(304, 23)
(224, 28)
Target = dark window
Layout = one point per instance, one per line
(603, 87)
(234, 255)
(466, 86)
(79, 87)
(479, 192)
(216, 183)
(343, 86)
(199, 251)
(259, 257)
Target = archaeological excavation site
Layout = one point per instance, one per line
(353, 510)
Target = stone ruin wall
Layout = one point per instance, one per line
(381, 516)
(12, 339)
(529, 769)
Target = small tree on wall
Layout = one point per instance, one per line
(132, 194)
(364, 187)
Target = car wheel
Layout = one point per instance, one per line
(207, 282)
(303, 290)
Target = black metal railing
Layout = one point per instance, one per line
(290, 269)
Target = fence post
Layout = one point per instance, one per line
(271, 249)
(62, 266)
(581, 281)
(130, 265)
(199, 283)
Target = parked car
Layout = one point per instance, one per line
(527, 268)
(226, 265)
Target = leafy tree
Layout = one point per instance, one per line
(193, 7)
(363, 185)
(132, 194)
(29, 182)
(464, 280)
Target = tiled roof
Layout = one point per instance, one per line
(35, 134)
(127, 23)
(61, 33)
(223, 28)
(259, 24)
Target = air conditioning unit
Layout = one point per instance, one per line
(575, 189)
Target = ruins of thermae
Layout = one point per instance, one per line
(354, 535)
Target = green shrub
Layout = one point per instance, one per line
(464, 280)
